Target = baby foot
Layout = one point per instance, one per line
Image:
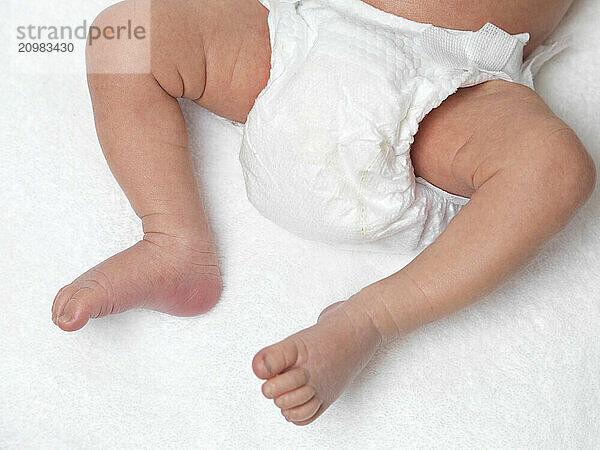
(160, 272)
(309, 370)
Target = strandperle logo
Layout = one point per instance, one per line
(66, 32)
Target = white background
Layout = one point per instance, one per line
(519, 369)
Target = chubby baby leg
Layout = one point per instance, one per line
(526, 172)
(196, 54)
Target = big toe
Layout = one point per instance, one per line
(62, 298)
(273, 360)
(76, 311)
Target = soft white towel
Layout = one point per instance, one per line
(519, 369)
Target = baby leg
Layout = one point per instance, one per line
(141, 129)
(526, 173)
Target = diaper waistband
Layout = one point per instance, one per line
(491, 50)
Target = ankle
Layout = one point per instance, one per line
(396, 307)
(369, 304)
(168, 230)
(363, 323)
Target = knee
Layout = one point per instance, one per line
(119, 39)
(559, 167)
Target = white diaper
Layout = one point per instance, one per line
(326, 147)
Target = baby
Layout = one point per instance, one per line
(330, 94)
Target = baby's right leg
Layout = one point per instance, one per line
(142, 132)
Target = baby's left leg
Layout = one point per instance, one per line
(526, 173)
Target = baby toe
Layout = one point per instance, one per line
(62, 297)
(302, 423)
(295, 398)
(273, 360)
(76, 312)
(303, 412)
(287, 381)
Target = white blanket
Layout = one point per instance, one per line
(519, 369)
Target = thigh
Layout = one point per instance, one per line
(238, 55)
(215, 52)
(479, 126)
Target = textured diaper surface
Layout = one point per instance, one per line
(326, 147)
